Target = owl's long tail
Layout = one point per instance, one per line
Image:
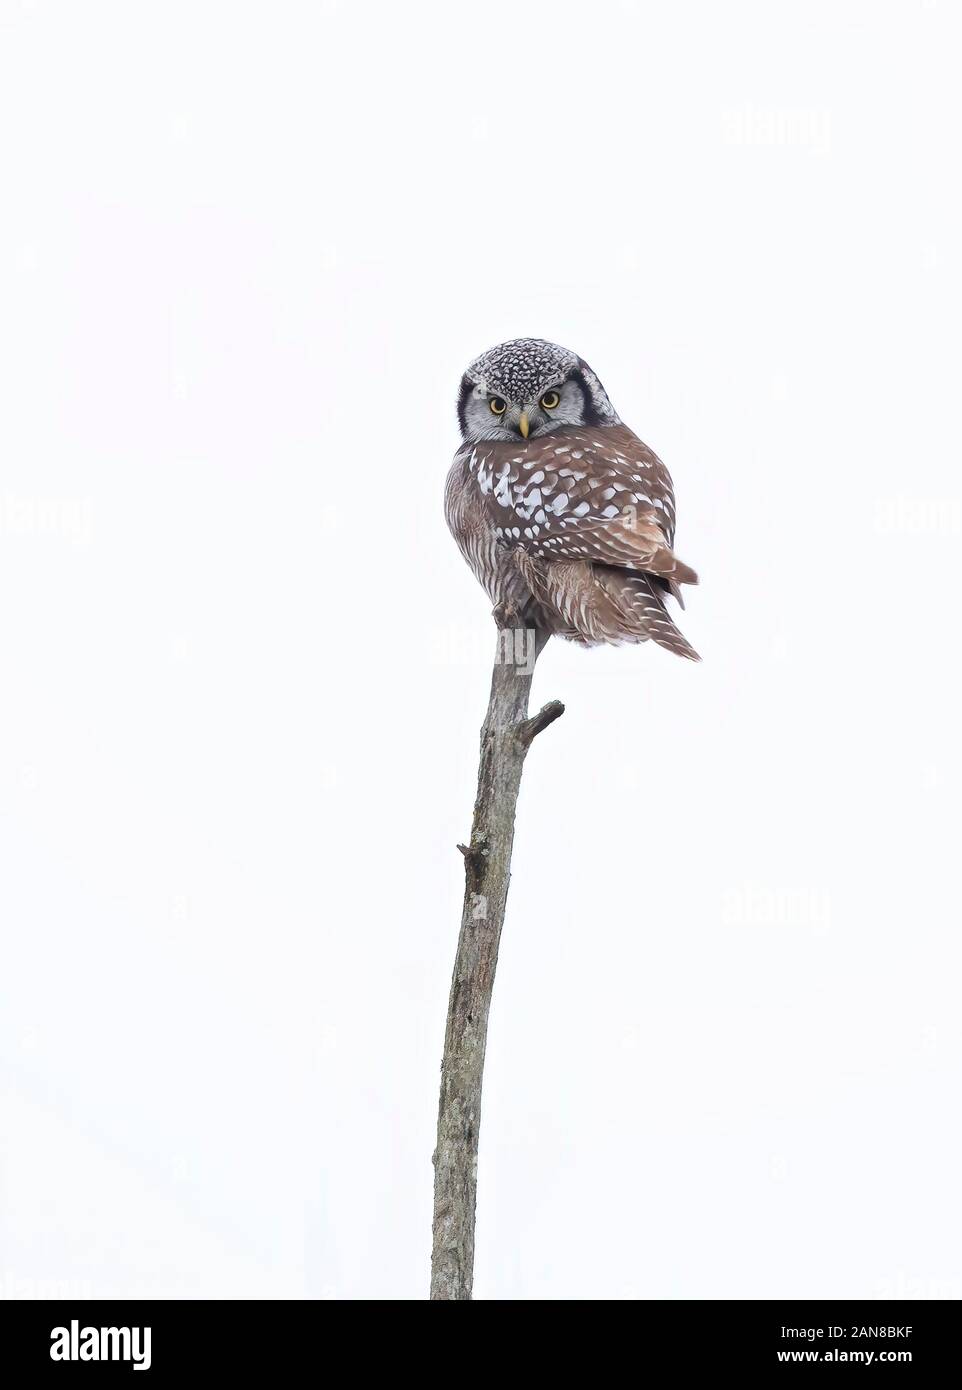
(594, 604)
(639, 603)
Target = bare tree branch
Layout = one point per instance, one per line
(547, 714)
(506, 736)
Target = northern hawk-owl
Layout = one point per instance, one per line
(564, 516)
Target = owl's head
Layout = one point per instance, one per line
(527, 388)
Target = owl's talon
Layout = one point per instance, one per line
(506, 615)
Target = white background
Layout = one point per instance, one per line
(245, 253)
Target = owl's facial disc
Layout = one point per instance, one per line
(486, 415)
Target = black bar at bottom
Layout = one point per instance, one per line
(227, 1340)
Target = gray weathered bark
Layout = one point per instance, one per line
(506, 736)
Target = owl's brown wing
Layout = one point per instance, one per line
(595, 494)
(586, 516)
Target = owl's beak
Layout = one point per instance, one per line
(523, 425)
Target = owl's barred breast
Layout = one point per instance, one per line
(489, 559)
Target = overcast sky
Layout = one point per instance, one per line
(245, 254)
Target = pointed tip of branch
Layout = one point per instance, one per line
(529, 729)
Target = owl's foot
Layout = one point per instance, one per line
(506, 615)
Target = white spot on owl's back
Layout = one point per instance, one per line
(502, 492)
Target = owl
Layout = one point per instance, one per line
(564, 516)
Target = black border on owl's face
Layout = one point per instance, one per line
(591, 415)
(467, 386)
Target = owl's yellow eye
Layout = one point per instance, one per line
(498, 406)
(550, 400)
